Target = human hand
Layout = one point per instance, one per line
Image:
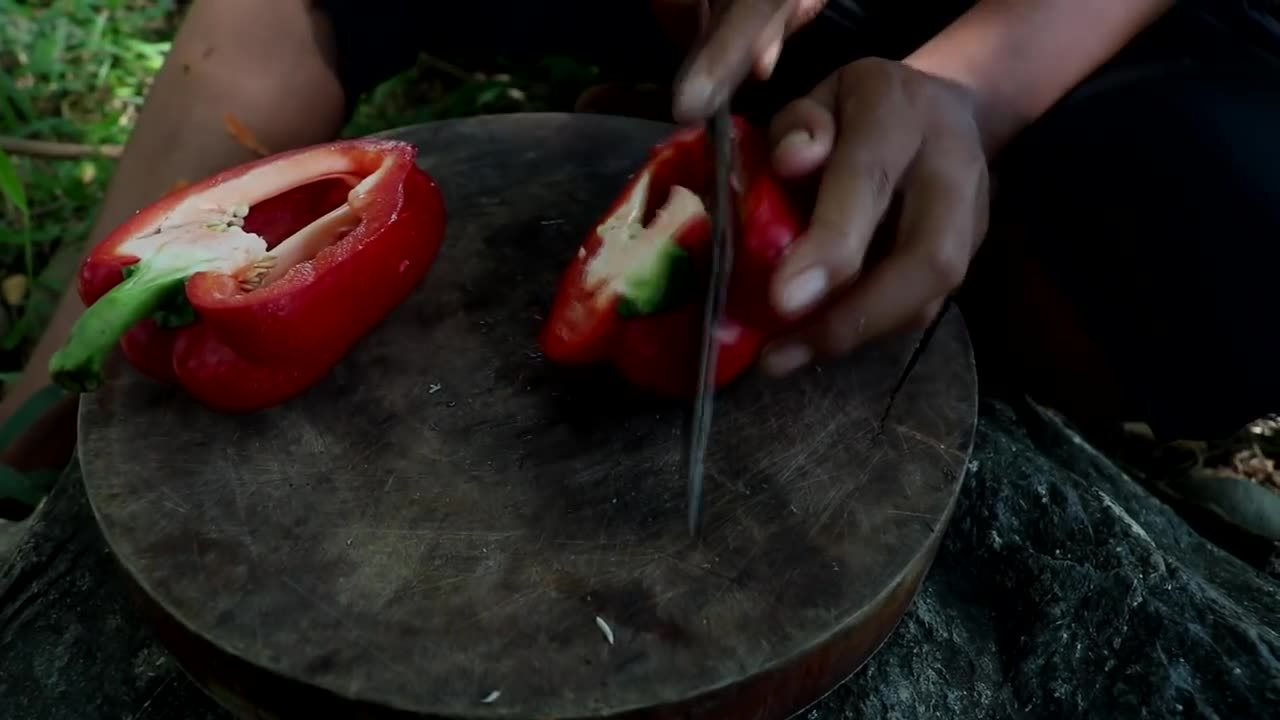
(745, 38)
(876, 129)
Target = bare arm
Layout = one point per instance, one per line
(1021, 57)
(271, 64)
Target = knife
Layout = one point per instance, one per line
(699, 429)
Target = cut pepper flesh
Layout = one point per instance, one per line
(628, 266)
(635, 262)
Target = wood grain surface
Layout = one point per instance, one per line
(448, 519)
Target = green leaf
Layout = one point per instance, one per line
(11, 186)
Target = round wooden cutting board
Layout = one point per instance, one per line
(447, 526)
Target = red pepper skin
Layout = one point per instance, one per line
(224, 380)
(149, 348)
(248, 350)
(769, 225)
(659, 353)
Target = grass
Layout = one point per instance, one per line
(74, 72)
(77, 71)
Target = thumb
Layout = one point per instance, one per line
(737, 42)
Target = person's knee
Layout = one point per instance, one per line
(273, 62)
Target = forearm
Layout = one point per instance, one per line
(269, 64)
(1021, 56)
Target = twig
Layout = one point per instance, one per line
(53, 149)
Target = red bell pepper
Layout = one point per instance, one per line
(629, 267)
(659, 353)
(248, 287)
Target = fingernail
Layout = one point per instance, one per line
(768, 60)
(787, 359)
(794, 141)
(695, 96)
(804, 290)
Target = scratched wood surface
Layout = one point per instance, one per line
(435, 528)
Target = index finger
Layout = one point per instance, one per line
(739, 30)
(874, 148)
(942, 215)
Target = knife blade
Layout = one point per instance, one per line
(699, 429)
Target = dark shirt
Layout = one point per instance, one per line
(379, 38)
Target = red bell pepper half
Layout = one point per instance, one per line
(627, 263)
(630, 283)
(248, 287)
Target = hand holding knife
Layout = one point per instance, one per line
(744, 35)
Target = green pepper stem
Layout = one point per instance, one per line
(78, 364)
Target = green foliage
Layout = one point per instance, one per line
(435, 90)
(72, 71)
